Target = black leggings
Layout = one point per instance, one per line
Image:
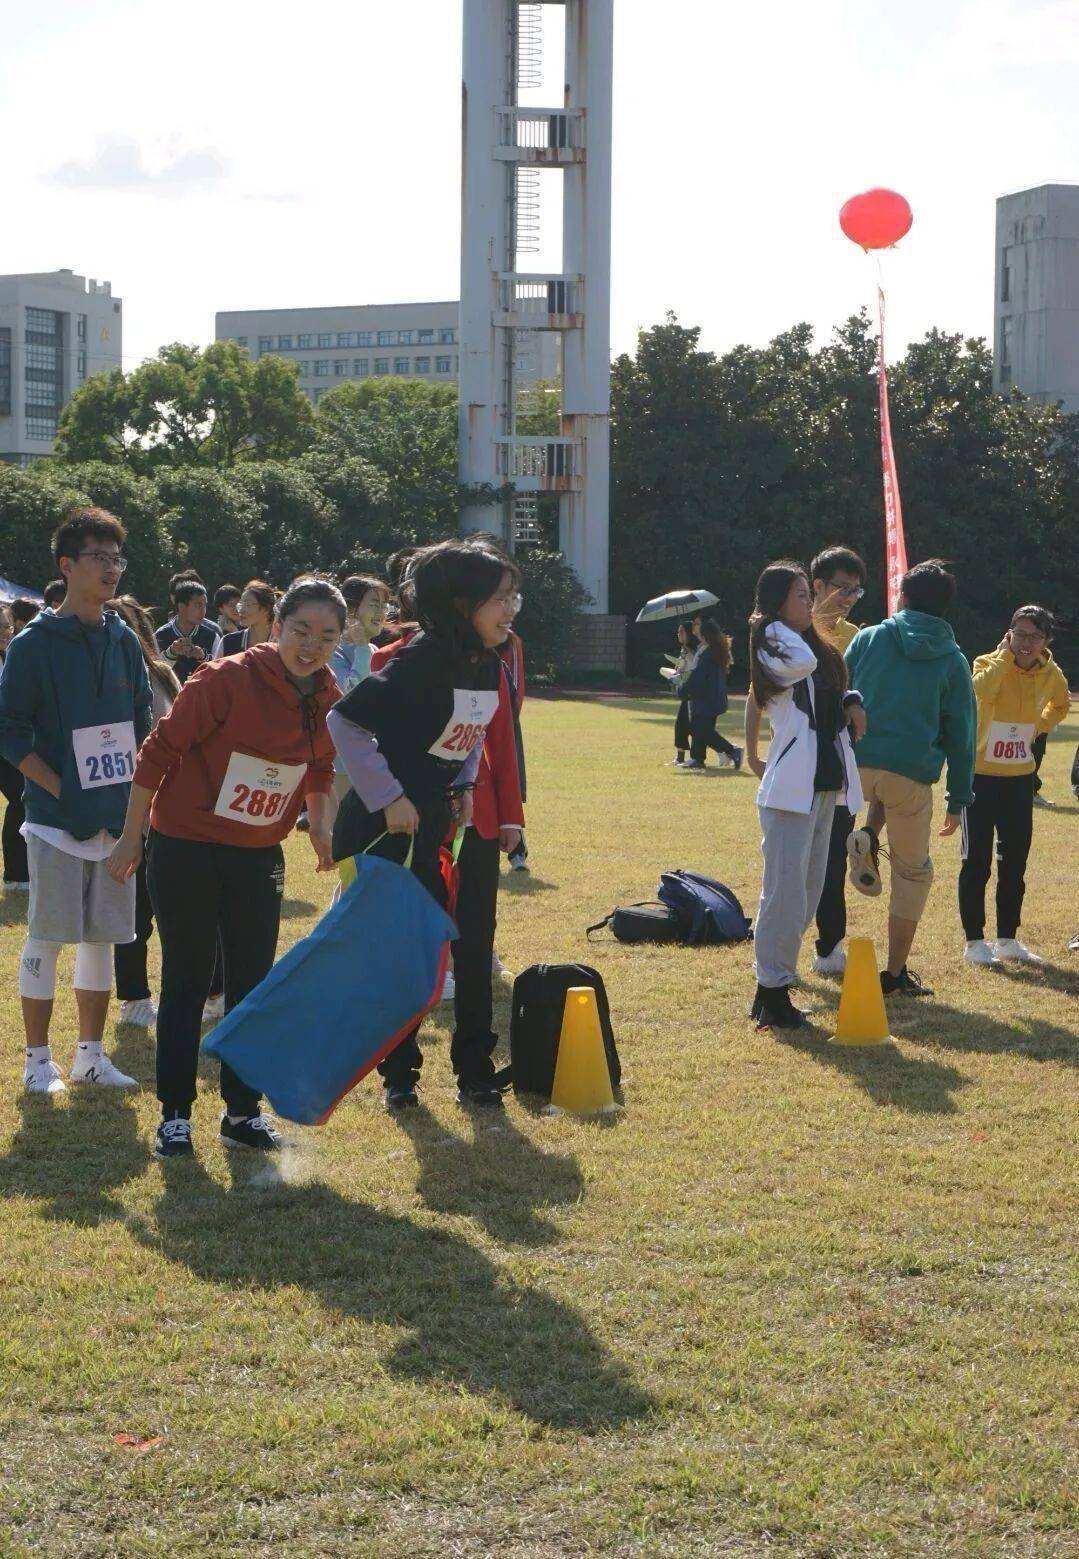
(474, 1039)
(1003, 805)
(353, 833)
(832, 909)
(681, 726)
(11, 788)
(703, 734)
(198, 889)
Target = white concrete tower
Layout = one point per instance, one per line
(504, 148)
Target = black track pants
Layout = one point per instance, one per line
(197, 889)
(832, 909)
(1004, 807)
(129, 958)
(477, 909)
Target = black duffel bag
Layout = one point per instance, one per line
(539, 1000)
(647, 922)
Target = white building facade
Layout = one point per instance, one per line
(332, 345)
(1036, 301)
(56, 330)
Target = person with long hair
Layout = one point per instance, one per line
(706, 690)
(226, 772)
(256, 613)
(800, 682)
(366, 599)
(137, 1007)
(411, 738)
(1022, 693)
(678, 676)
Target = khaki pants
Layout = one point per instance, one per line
(908, 817)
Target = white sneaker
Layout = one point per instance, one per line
(1013, 952)
(448, 987)
(835, 963)
(689, 767)
(16, 887)
(676, 763)
(43, 1077)
(141, 1014)
(100, 1070)
(497, 966)
(213, 1009)
(980, 952)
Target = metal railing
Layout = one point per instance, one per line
(536, 297)
(541, 459)
(558, 132)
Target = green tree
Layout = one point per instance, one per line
(214, 523)
(207, 406)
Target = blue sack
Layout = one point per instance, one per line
(340, 999)
(708, 911)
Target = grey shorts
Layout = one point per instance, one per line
(72, 900)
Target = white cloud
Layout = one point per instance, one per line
(121, 165)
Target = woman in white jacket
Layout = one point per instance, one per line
(800, 682)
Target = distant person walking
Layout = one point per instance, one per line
(706, 691)
(1022, 693)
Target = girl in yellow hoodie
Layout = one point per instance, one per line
(1021, 693)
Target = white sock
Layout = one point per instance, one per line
(38, 1055)
(91, 1049)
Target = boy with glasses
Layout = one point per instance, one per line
(838, 576)
(1022, 693)
(74, 706)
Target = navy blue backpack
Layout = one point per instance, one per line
(707, 911)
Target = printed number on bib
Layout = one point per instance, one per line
(104, 754)
(1009, 743)
(257, 792)
(472, 714)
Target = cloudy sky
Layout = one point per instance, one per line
(232, 154)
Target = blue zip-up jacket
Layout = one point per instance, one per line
(706, 688)
(61, 674)
(918, 694)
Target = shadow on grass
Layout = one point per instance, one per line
(521, 884)
(934, 1023)
(296, 909)
(466, 1322)
(13, 908)
(887, 1075)
(494, 1174)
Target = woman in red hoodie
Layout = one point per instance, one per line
(227, 770)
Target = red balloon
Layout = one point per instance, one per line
(877, 219)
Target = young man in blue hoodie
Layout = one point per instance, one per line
(918, 693)
(74, 707)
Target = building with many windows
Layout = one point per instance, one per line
(363, 341)
(56, 329)
(1036, 301)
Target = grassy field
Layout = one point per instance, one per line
(795, 1300)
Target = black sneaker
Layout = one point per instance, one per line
(256, 1131)
(479, 1096)
(400, 1096)
(173, 1139)
(773, 1009)
(739, 754)
(903, 984)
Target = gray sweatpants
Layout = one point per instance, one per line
(795, 850)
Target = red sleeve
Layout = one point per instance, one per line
(501, 752)
(201, 705)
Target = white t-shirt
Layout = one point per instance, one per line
(97, 848)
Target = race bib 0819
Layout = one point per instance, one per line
(257, 792)
(467, 726)
(1009, 743)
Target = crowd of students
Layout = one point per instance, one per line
(161, 772)
(152, 776)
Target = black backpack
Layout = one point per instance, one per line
(641, 923)
(539, 999)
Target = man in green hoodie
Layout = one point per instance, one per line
(918, 694)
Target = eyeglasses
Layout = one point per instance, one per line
(513, 599)
(1027, 638)
(848, 592)
(107, 560)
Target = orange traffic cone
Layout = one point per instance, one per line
(862, 1019)
(582, 1076)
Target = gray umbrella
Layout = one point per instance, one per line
(678, 603)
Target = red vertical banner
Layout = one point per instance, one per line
(895, 542)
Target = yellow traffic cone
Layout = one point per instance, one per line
(862, 1018)
(582, 1076)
